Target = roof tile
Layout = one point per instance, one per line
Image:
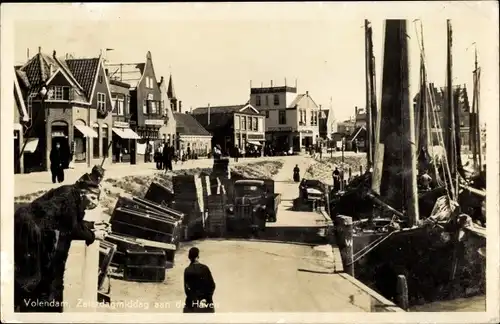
(188, 125)
(84, 71)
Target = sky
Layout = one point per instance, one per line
(214, 50)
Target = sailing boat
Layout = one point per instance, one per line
(435, 257)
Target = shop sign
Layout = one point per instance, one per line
(280, 129)
(154, 122)
(120, 124)
(256, 136)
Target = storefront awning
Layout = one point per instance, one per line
(254, 143)
(31, 145)
(126, 133)
(131, 134)
(86, 131)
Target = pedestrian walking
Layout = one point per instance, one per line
(167, 157)
(57, 161)
(236, 153)
(159, 157)
(336, 179)
(199, 285)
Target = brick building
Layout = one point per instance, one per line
(75, 111)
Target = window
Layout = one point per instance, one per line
(99, 79)
(282, 117)
(276, 100)
(145, 107)
(101, 101)
(59, 93)
(147, 82)
(267, 113)
(243, 123)
(120, 111)
(127, 106)
(250, 123)
(236, 122)
(257, 101)
(267, 100)
(152, 107)
(255, 124)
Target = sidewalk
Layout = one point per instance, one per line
(33, 182)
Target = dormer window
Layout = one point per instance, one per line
(59, 93)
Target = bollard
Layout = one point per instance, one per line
(344, 230)
(402, 293)
(349, 174)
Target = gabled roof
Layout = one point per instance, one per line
(84, 71)
(246, 108)
(171, 90)
(188, 125)
(18, 98)
(295, 101)
(356, 133)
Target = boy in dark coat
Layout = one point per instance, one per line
(199, 286)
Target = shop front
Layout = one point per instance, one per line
(82, 135)
(123, 142)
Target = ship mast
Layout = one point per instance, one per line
(475, 135)
(397, 129)
(369, 128)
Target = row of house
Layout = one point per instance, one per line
(275, 116)
(95, 110)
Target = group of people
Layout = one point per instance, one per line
(43, 232)
(163, 157)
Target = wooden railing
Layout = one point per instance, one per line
(80, 277)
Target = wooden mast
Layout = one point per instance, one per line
(449, 112)
(369, 128)
(399, 178)
(477, 85)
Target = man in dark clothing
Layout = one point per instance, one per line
(336, 179)
(57, 162)
(43, 231)
(167, 157)
(199, 286)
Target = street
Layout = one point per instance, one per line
(256, 276)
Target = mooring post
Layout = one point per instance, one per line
(402, 293)
(345, 242)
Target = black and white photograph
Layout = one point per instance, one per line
(313, 162)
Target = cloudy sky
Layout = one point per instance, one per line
(214, 50)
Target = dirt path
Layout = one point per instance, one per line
(255, 276)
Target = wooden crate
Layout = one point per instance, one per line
(217, 215)
(159, 194)
(145, 266)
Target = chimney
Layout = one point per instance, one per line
(28, 53)
(54, 53)
(180, 106)
(39, 49)
(107, 72)
(271, 83)
(161, 80)
(356, 110)
(307, 93)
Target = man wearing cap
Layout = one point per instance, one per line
(199, 285)
(43, 232)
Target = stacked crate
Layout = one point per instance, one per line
(159, 194)
(186, 200)
(216, 220)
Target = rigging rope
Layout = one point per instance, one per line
(437, 123)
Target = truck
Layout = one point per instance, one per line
(254, 203)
